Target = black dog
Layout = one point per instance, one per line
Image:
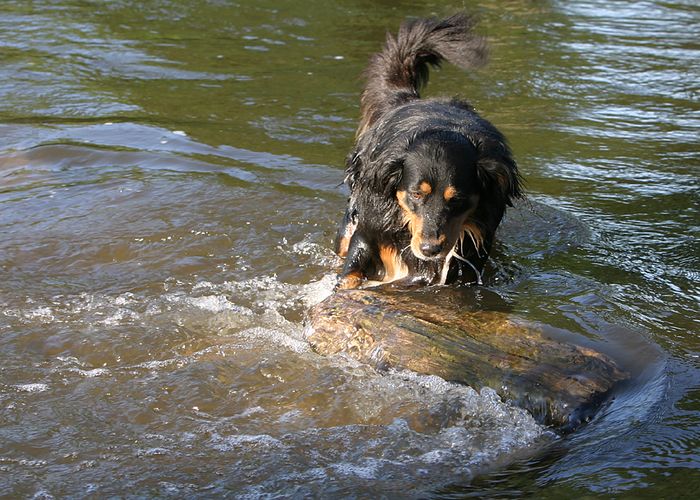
(429, 178)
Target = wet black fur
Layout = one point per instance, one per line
(402, 138)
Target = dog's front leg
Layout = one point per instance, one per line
(359, 263)
(346, 230)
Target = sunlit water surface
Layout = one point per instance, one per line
(169, 189)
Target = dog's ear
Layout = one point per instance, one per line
(498, 173)
(387, 177)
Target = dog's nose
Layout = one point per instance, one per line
(430, 248)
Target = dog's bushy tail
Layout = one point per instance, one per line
(396, 74)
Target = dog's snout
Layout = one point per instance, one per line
(431, 248)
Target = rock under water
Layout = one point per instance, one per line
(560, 382)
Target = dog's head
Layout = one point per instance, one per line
(447, 185)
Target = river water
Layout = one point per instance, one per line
(169, 190)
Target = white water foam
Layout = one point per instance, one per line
(387, 428)
(37, 387)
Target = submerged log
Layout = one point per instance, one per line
(560, 382)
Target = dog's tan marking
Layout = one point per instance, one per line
(410, 218)
(425, 188)
(450, 192)
(343, 246)
(343, 243)
(350, 280)
(394, 266)
(413, 222)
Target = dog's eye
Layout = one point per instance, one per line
(417, 195)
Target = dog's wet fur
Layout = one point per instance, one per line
(429, 179)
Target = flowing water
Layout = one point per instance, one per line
(169, 190)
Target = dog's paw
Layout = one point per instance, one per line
(349, 281)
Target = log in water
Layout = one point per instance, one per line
(561, 383)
